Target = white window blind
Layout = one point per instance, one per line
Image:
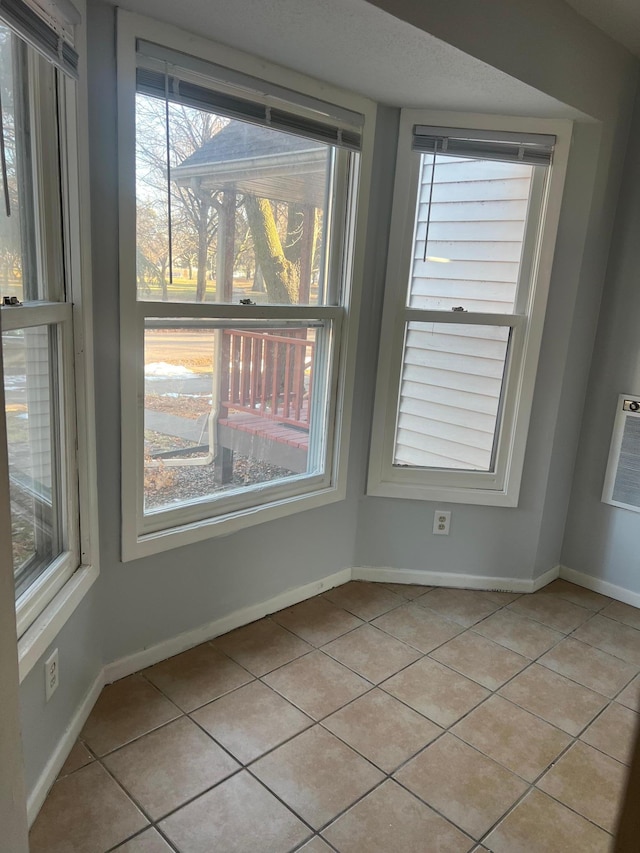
(49, 30)
(166, 73)
(533, 148)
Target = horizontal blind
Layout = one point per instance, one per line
(532, 148)
(206, 86)
(49, 34)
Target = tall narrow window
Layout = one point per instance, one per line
(243, 212)
(468, 248)
(37, 89)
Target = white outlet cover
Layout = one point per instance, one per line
(441, 522)
(51, 674)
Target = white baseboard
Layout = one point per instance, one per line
(459, 581)
(545, 578)
(54, 765)
(620, 593)
(173, 646)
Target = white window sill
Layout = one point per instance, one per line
(35, 641)
(145, 545)
(442, 494)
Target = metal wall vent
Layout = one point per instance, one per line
(622, 480)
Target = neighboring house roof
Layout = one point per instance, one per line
(259, 161)
(240, 140)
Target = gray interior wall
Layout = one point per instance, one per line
(383, 177)
(143, 602)
(148, 600)
(602, 540)
(524, 542)
(44, 723)
(545, 44)
(579, 336)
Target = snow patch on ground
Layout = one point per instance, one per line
(161, 368)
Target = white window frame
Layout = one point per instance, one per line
(181, 526)
(50, 600)
(501, 486)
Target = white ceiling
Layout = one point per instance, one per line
(355, 45)
(619, 19)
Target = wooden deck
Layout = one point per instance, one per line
(264, 414)
(255, 425)
(261, 438)
(265, 392)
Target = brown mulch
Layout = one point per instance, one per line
(167, 485)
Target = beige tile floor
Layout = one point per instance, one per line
(376, 718)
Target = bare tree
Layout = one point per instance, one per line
(276, 240)
(152, 248)
(194, 209)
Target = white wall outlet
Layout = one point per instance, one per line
(441, 522)
(51, 674)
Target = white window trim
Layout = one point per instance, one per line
(135, 542)
(13, 812)
(45, 608)
(503, 487)
(38, 595)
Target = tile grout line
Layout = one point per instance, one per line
(574, 738)
(318, 722)
(534, 784)
(533, 787)
(423, 654)
(378, 685)
(167, 841)
(374, 685)
(445, 730)
(243, 766)
(389, 776)
(320, 649)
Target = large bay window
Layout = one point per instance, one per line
(237, 247)
(474, 220)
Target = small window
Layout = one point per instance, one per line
(464, 287)
(233, 319)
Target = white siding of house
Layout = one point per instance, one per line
(452, 375)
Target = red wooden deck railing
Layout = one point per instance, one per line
(263, 374)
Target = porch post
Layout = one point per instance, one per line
(224, 293)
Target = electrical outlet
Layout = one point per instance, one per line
(441, 522)
(51, 674)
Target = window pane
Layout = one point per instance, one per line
(18, 269)
(450, 395)
(243, 214)
(473, 219)
(229, 409)
(32, 411)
